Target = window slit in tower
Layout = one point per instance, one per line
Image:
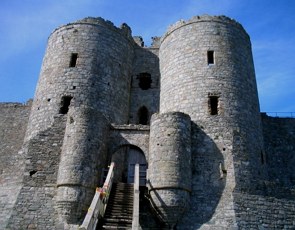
(262, 157)
(213, 105)
(73, 61)
(143, 116)
(210, 57)
(65, 103)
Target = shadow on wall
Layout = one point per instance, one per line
(208, 179)
(125, 159)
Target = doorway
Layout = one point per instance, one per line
(125, 160)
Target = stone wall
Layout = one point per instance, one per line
(264, 212)
(213, 179)
(13, 123)
(170, 170)
(124, 135)
(82, 158)
(146, 61)
(35, 205)
(279, 156)
(86, 112)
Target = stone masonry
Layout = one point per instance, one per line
(186, 109)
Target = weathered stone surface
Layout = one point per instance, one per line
(212, 163)
(13, 123)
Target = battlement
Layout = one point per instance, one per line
(203, 18)
(124, 29)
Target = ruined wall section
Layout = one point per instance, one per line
(35, 205)
(146, 61)
(13, 123)
(87, 63)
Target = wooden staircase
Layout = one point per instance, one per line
(119, 209)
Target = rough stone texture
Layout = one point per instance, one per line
(82, 158)
(279, 137)
(264, 212)
(100, 79)
(35, 205)
(146, 61)
(169, 174)
(213, 154)
(185, 70)
(122, 135)
(13, 123)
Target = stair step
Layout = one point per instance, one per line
(118, 213)
(120, 219)
(120, 203)
(123, 185)
(119, 209)
(115, 227)
(122, 198)
(119, 216)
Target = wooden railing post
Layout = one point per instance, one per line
(99, 202)
(135, 218)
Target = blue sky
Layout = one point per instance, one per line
(26, 24)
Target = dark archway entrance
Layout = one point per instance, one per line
(125, 158)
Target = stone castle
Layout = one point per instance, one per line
(186, 109)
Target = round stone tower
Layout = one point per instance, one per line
(85, 76)
(169, 170)
(207, 69)
(87, 63)
(207, 72)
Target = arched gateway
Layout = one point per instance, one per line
(128, 145)
(125, 158)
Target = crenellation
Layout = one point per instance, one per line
(186, 109)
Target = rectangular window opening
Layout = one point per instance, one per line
(213, 105)
(65, 103)
(73, 61)
(210, 57)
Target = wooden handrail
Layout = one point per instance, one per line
(99, 202)
(135, 218)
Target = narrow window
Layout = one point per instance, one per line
(65, 103)
(145, 81)
(262, 157)
(210, 57)
(143, 116)
(213, 105)
(73, 61)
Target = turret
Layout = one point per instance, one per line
(86, 76)
(169, 174)
(207, 72)
(87, 63)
